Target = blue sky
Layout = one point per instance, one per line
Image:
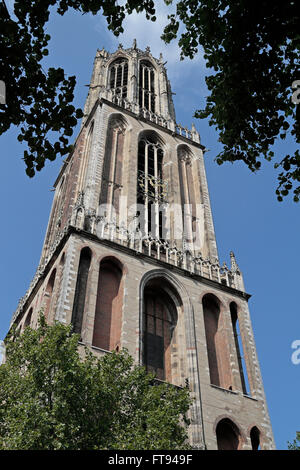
(263, 233)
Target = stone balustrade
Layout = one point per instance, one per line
(144, 113)
(158, 249)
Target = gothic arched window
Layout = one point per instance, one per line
(56, 213)
(217, 347)
(151, 188)
(146, 86)
(108, 315)
(238, 345)
(85, 158)
(187, 191)
(113, 163)
(118, 77)
(48, 294)
(228, 435)
(255, 438)
(80, 291)
(159, 322)
(28, 318)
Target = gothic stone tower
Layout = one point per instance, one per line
(130, 255)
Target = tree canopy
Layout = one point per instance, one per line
(54, 396)
(295, 445)
(251, 50)
(40, 101)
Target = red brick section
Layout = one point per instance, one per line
(211, 319)
(216, 340)
(106, 166)
(108, 317)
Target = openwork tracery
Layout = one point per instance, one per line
(146, 86)
(118, 77)
(152, 190)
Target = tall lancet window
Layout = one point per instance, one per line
(160, 353)
(48, 295)
(151, 188)
(81, 288)
(118, 77)
(146, 86)
(85, 158)
(239, 346)
(187, 192)
(217, 347)
(56, 213)
(109, 306)
(113, 163)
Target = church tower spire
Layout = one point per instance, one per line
(130, 255)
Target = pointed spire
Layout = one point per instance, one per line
(134, 45)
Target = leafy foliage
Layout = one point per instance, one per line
(295, 445)
(252, 48)
(53, 396)
(41, 102)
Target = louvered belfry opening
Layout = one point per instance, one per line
(146, 86)
(118, 77)
(151, 186)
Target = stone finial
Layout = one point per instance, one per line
(120, 46)
(161, 58)
(195, 134)
(134, 45)
(147, 49)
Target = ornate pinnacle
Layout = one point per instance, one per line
(134, 44)
(234, 265)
